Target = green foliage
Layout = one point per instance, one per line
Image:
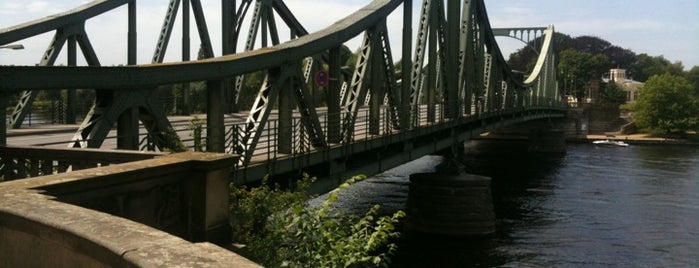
(669, 104)
(172, 141)
(617, 57)
(280, 229)
(196, 125)
(611, 93)
(693, 77)
(646, 66)
(577, 68)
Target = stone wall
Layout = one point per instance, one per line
(602, 118)
(45, 221)
(592, 119)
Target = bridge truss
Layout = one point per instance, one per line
(456, 75)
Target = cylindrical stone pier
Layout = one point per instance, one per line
(450, 204)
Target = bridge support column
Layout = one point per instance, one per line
(127, 129)
(3, 121)
(285, 128)
(333, 97)
(215, 133)
(209, 197)
(450, 202)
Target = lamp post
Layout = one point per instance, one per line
(13, 46)
(3, 101)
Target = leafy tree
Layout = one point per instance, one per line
(693, 77)
(618, 57)
(646, 66)
(589, 44)
(577, 68)
(675, 68)
(669, 104)
(612, 93)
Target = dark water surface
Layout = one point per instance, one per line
(628, 207)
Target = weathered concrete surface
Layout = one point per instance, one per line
(36, 230)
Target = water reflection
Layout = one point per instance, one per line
(521, 184)
(635, 206)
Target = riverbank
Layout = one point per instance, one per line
(640, 139)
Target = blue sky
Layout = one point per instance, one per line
(669, 28)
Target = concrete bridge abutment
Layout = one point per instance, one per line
(450, 202)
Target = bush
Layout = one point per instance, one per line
(668, 104)
(279, 229)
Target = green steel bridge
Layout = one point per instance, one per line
(452, 83)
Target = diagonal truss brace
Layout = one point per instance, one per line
(374, 44)
(356, 92)
(264, 103)
(109, 105)
(431, 29)
(62, 35)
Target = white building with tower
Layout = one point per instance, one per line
(631, 87)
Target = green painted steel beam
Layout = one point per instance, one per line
(50, 23)
(17, 78)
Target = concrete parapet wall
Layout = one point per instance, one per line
(38, 228)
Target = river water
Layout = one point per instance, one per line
(593, 206)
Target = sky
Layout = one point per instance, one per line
(669, 28)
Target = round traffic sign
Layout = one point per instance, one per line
(321, 78)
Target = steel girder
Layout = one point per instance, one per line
(451, 67)
(386, 64)
(467, 56)
(405, 105)
(262, 19)
(125, 77)
(274, 83)
(374, 63)
(488, 82)
(168, 26)
(110, 105)
(526, 34)
(431, 31)
(543, 77)
(479, 43)
(356, 92)
(75, 16)
(128, 107)
(480, 63)
(333, 98)
(72, 32)
(166, 30)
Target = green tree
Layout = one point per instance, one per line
(612, 93)
(668, 104)
(693, 77)
(578, 68)
(646, 66)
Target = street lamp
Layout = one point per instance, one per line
(13, 46)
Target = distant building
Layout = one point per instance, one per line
(630, 86)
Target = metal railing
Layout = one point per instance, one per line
(26, 162)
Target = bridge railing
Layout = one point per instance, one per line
(270, 148)
(26, 162)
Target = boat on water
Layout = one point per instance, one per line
(610, 143)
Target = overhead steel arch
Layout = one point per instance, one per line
(456, 65)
